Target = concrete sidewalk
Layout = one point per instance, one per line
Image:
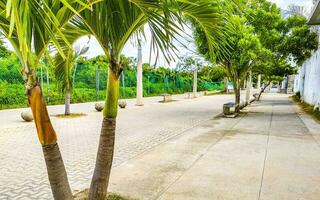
(23, 173)
(271, 151)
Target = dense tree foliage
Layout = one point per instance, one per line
(4, 52)
(259, 35)
(300, 40)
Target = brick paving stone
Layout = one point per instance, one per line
(23, 171)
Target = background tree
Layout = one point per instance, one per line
(284, 41)
(212, 73)
(244, 50)
(65, 71)
(300, 41)
(273, 70)
(290, 40)
(4, 52)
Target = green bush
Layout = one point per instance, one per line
(204, 85)
(12, 95)
(307, 108)
(156, 81)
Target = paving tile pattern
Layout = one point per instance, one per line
(22, 169)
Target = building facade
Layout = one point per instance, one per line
(307, 82)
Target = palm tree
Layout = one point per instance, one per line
(113, 23)
(139, 101)
(30, 26)
(63, 71)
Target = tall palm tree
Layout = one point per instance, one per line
(113, 23)
(63, 71)
(30, 26)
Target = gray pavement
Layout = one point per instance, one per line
(270, 152)
(23, 172)
(175, 151)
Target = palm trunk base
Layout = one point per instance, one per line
(56, 172)
(67, 102)
(238, 106)
(100, 179)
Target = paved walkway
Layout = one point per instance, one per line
(175, 151)
(271, 152)
(23, 172)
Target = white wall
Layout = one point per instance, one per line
(308, 80)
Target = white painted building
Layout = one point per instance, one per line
(307, 82)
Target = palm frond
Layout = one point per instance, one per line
(114, 22)
(31, 25)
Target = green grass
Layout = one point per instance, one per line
(83, 195)
(12, 106)
(116, 197)
(72, 115)
(218, 93)
(307, 108)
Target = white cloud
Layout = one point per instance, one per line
(131, 51)
(285, 3)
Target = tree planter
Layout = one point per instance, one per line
(27, 116)
(99, 106)
(122, 104)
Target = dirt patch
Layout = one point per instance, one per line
(307, 108)
(83, 195)
(72, 115)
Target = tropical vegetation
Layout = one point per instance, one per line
(237, 39)
(87, 86)
(261, 42)
(33, 27)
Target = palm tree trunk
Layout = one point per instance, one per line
(225, 80)
(139, 77)
(48, 85)
(236, 87)
(97, 82)
(195, 83)
(56, 172)
(55, 167)
(100, 179)
(237, 93)
(67, 101)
